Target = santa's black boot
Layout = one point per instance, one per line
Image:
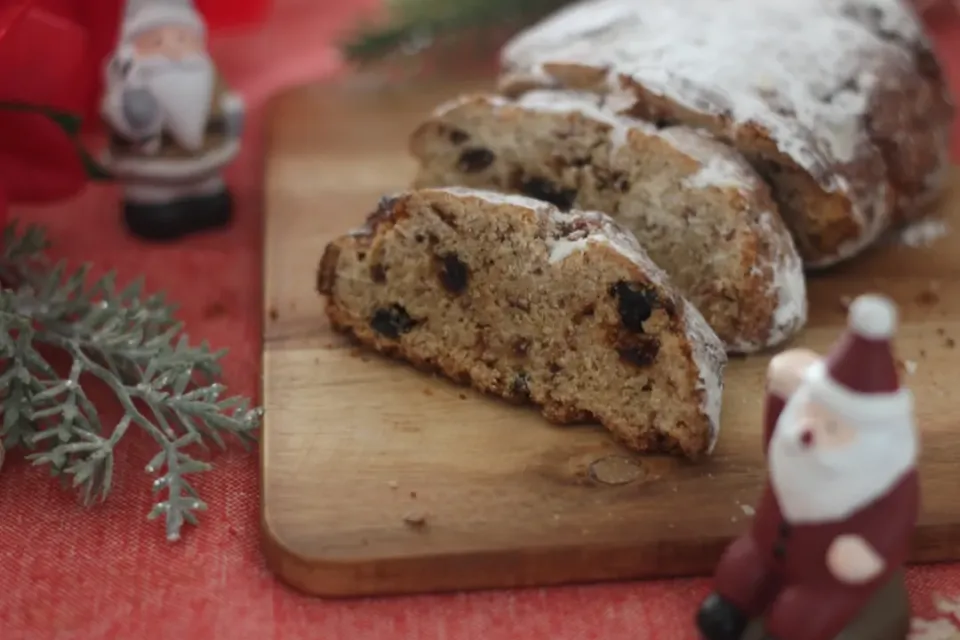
(175, 219)
(211, 211)
(718, 619)
(158, 222)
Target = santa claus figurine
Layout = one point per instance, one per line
(174, 123)
(833, 526)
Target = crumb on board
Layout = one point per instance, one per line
(358, 352)
(463, 396)
(748, 510)
(428, 392)
(415, 519)
(950, 343)
(274, 314)
(413, 494)
(928, 297)
(908, 367)
(393, 484)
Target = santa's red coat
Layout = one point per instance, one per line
(779, 570)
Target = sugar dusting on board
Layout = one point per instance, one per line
(923, 233)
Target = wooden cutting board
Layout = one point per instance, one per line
(378, 479)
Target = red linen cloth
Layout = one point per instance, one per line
(71, 574)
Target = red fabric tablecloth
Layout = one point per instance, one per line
(69, 573)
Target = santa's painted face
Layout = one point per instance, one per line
(173, 42)
(820, 429)
(172, 63)
(826, 463)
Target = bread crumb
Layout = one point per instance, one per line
(415, 519)
(950, 343)
(463, 396)
(274, 314)
(428, 392)
(393, 484)
(928, 297)
(413, 494)
(748, 510)
(910, 366)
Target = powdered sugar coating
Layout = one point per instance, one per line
(720, 165)
(789, 285)
(804, 71)
(710, 358)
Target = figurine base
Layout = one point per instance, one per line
(176, 219)
(886, 617)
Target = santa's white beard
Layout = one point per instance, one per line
(184, 89)
(815, 485)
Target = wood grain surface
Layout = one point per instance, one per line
(377, 479)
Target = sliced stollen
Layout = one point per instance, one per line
(839, 104)
(519, 299)
(697, 208)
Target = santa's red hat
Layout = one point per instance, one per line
(858, 377)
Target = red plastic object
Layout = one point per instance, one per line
(42, 58)
(224, 14)
(51, 57)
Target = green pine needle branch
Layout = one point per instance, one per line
(415, 25)
(132, 345)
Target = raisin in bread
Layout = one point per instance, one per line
(697, 208)
(840, 104)
(518, 299)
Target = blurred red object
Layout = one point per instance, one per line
(42, 68)
(51, 56)
(229, 14)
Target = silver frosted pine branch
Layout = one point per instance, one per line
(63, 332)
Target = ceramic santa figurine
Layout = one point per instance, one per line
(823, 558)
(174, 123)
